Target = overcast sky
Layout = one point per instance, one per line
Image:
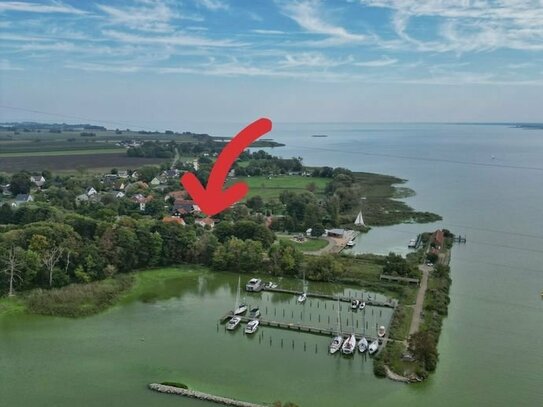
(167, 64)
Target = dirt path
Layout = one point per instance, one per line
(417, 310)
(326, 249)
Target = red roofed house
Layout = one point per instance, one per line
(142, 200)
(438, 238)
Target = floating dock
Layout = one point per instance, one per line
(374, 303)
(293, 326)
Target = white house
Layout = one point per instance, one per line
(37, 180)
(155, 181)
(21, 199)
(91, 191)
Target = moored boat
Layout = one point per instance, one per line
(241, 309)
(349, 345)
(252, 326)
(350, 243)
(354, 304)
(381, 332)
(233, 323)
(254, 312)
(362, 305)
(374, 346)
(254, 284)
(336, 343)
(302, 297)
(362, 345)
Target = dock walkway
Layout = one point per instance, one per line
(374, 303)
(201, 396)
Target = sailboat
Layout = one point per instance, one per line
(362, 345)
(374, 346)
(337, 341)
(239, 308)
(359, 221)
(303, 296)
(349, 345)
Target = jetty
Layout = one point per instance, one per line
(161, 388)
(391, 303)
(293, 326)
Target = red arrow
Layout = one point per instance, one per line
(213, 199)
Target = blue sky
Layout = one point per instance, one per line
(164, 63)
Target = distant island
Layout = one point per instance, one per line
(319, 135)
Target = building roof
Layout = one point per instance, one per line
(23, 198)
(336, 231)
(205, 221)
(173, 219)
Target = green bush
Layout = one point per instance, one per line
(175, 384)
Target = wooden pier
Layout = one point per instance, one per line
(293, 326)
(400, 279)
(374, 303)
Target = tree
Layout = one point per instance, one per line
(256, 203)
(50, 258)
(11, 266)
(20, 183)
(317, 230)
(423, 346)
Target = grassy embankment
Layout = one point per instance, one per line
(308, 245)
(271, 188)
(81, 300)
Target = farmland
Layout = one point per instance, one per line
(73, 162)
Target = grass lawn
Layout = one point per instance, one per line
(309, 245)
(272, 188)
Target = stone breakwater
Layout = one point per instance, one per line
(201, 396)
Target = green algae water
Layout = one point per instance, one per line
(490, 352)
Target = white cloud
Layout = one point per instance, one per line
(468, 25)
(307, 14)
(176, 39)
(308, 59)
(6, 65)
(213, 5)
(53, 7)
(376, 63)
(93, 67)
(268, 32)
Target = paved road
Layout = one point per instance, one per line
(417, 310)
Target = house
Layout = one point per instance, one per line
(21, 199)
(123, 174)
(176, 195)
(118, 194)
(37, 180)
(81, 198)
(91, 191)
(195, 165)
(232, 173)
(205, 222)
(174, 219)
(336, 233)
(155, 181)
(135, 175)
(173, 173)
(438, 238)
(185, 206)
(142, 200)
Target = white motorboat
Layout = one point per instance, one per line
(254, 284)
(362, 345)
(381, 332)
(254, 312)
(349, 345)
(233, 323)
(374, 346)
(361, 305)
(252, 326)
(350, 243)
(354, 304)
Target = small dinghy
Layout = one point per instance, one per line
(381, 332)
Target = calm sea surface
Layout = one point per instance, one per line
(487, 183)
